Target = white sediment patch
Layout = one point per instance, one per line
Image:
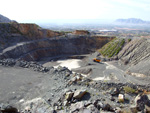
(26, 104)
(109, 66)
(104, 78)
(108, 77)
(22, 100)
(101, 78)
(138, 75)
(32, 101)
(84, 75)
(69, 63)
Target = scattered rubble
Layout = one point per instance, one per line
(24, 64)
(74, 93)
(7, 109)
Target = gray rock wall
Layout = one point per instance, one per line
(37, 49)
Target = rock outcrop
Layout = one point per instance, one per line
(81, 32)
(34, 31)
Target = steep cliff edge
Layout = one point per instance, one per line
(34, 31)
(13, 33)
(37, 49)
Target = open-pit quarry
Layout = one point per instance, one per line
(42, 71)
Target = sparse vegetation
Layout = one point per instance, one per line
(65, 32)
(121, 101)
(128, 89)
(129, 39)
(112, 48)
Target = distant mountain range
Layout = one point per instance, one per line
(131, 21)
(4, 19)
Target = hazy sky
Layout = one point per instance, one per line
(43, 10)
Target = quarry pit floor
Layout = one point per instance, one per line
(111, 71)
(19, 84)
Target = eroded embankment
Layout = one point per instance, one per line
(136, 55)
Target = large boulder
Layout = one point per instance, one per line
(69, 95)
(8, 109)
(78, 94)
(143, 102)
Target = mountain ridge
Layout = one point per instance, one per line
(131, 21)
(4, 19)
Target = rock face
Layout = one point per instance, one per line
(30, 42)
(4, 19)
(137, 54)
(34, 31)
(13, 33)
(34, 50)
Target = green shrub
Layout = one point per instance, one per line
(112, 48)
(129, 40)
(128, 89)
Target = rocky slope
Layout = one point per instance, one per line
(136, 54)
(4, 19)
(133, 54)
(112, 48)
